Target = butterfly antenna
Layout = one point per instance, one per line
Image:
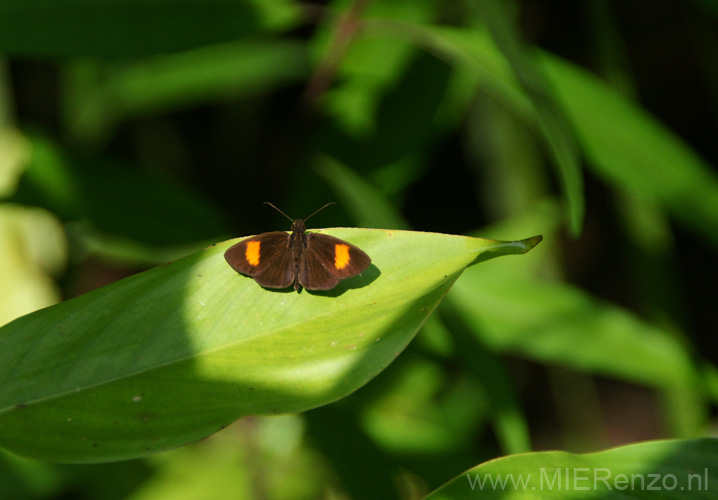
(315, 213)
(275, 208)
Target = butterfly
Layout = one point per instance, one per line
(310, 260)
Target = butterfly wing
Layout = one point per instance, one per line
(265, 257)
(328, 260)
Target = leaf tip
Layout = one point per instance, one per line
(531, 242)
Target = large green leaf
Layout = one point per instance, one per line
(173, 354)
(656, 470)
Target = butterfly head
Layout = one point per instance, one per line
(298, 226)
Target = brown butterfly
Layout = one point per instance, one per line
(314, 261)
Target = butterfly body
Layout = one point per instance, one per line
(310, 260)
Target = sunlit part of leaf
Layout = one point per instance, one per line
(656, 470)
(173, 354)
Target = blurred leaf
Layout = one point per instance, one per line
(474, 54)
(507, 418)
(653, 273)
(635, 152)
(173, 354)
(100, 95)
(554, 125)
(424, 410)
(32, 248)
(24, 479)
(209, 472)
(14, 156)
(640, 155)
(471, 51)
(126, 28)
(116, 198)
(366, 472)
(419, 435)
(403, 119)
(108, 481)
(657, 470)
(603, 330)
(435, 337)
(254, 458)
(370, 66)
(508, 157)
(547, 321)
(367, 205)
(126, 252)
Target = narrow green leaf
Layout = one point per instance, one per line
(514, 79)
(173, 354)
(656, 470)
(370, 68)
(116, 198)
(99, 95)
(508, 419)
(641, 155)
(123, 28)
(546, 321)
(403, 118)
(367, 204)
(557, 131)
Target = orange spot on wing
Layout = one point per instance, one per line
(341, 256)
(252, 252)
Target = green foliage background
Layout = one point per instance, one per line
(136, 132)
